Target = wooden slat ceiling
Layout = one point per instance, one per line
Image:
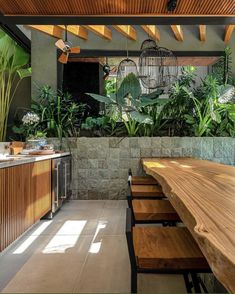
(116, 7)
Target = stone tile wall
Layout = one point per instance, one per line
(100, 165)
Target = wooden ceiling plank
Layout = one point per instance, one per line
(202, 33)
(101, 31)
(78, 31)
(51, 30)
(152, 31)
(127, 30)
(177, 32)
(228, 33)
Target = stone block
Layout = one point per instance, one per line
(134, 152)
(166, 143)
(113, 163)
(81, 195)
(133, 142)
(156, 142)
(157, 152)
(102, 163)
(113, 174)
(82, 163)
(218, 147)
(207, 148)
(124, 143)
(124, 163)
(187, 152)
(176, 142)
(124, 153)
(145, 152)
(144, 142)
(114, 142)
(114, 152)
(176, 152)
(92, 163)
(103, 174)
(166, 152)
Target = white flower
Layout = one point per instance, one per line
(30, 118)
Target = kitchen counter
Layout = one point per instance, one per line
(23, 159)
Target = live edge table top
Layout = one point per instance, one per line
(203, 194)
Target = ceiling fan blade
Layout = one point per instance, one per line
(105, 77)
(64, 57)
(60, 44)
(75, 50)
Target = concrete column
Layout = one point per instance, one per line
(44, 62)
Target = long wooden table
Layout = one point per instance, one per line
(203, 194)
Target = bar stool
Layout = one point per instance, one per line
(153, 211)
(141, 180)
(164, 250)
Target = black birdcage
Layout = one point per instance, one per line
(125, 67)
(158, 66)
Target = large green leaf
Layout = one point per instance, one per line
(141, 118)
(147, 102)
(20, 58)
(100, 98)
(152, 95)
(24, 72)
(130, 85)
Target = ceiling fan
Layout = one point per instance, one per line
(108, 71)
(66, 47)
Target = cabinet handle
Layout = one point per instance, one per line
(65, 181)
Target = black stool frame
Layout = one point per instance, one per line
(195, 282)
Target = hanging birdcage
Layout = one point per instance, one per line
(157, 66)
(125, 67)
(149, 43)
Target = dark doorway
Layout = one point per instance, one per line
(84, 77)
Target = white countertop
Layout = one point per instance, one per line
(22, 159)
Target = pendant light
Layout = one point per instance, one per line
(158, 66)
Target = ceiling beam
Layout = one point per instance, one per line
(127, 31)
(101, 31)
(202, 33)
(228, 33)
(177, 32)
(152, 31)
(78, 31)
(53, 31)
(116, 20)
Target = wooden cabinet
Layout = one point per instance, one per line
(41, 188)
(25, 196)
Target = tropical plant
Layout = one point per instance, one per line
(179, 103)
(27, 125)
(59, 115)
(13, 68)
(129, 102)
(206, 107)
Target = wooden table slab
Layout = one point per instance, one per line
(203, 194)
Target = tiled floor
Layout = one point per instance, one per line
(82, 250)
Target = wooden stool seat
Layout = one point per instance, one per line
(146, 191)
(152, 210)
(168, 248)
(144, 180)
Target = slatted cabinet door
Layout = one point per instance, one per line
(14, 193)
(25, 196)
(41, 188)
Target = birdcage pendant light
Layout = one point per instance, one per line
(158, 66)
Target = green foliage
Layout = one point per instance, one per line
(129, 103)
(222, 69)
(59, 115)
(13, 68)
